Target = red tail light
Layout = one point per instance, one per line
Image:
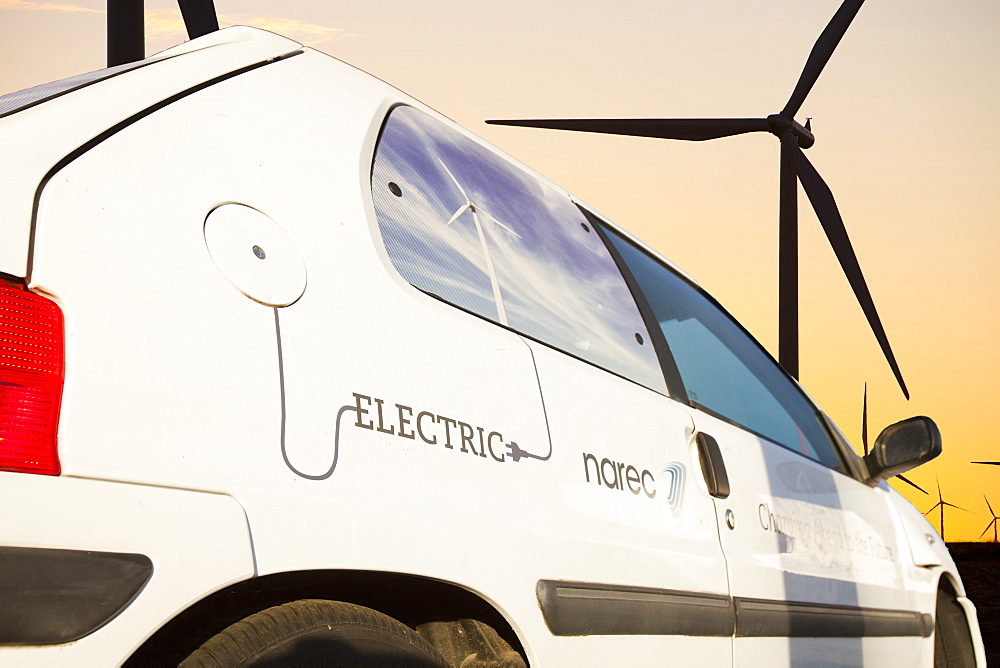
(31, 380)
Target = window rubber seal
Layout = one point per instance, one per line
(668, 366)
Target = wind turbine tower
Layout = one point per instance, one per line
(942, 503)
(476, 210)
(993, 522)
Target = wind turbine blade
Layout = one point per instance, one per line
(933, 508)
(989, 506)
(458, 213)
(688, 129)
(912, 484)
(988, 527)
(199, 17)
(864, 426)
(993, 463)
(820, 54)
(500, 223)
(455, 181)
(952, 505)
(829, 216)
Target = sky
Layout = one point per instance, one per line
(908, 139)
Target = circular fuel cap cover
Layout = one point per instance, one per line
(255, 254)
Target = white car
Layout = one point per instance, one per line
(293, 368)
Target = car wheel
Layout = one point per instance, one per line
(315, 633)
(952, 642)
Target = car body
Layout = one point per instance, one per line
(319, 342)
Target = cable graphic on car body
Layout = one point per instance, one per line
(516, 453)
(340, 414)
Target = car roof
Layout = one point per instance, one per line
(46, 126)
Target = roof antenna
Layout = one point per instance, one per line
(126, 32)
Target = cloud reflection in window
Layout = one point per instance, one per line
(555, 279)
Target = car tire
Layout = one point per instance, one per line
(952, 642)
(315, 633)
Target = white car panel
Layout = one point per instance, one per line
(197, 542)
(629, 500)
(804, 533)
(166, 289)
(96, 108)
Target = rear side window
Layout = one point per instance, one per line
(463, 224)
(723, 369)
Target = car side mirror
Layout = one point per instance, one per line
(901, 447)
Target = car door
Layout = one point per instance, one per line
(603, 525)
(631, 559)
(648, 567)
(815, 563)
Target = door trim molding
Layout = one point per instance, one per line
(588, 608)
(757, 618)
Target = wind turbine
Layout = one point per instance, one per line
(864, 439)
(993, 523)
(501, 313)
(942, 503)
(126, 33)
(795, 167)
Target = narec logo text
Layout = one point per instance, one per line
(619, 475)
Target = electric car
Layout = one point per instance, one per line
(293, 368)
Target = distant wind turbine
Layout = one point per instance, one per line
(864, 439)
(993, 523)
(942, 503)
(501, 312)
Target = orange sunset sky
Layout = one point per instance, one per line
(907, 120)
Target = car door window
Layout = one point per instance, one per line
(469, 227)
(724, 370)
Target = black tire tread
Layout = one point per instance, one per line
(952, 642)
(245, 641)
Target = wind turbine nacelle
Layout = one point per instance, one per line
(779, 125)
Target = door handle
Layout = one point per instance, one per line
(712, 466)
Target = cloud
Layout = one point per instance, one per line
(300, 31)
(27, 5)
(166, 23)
